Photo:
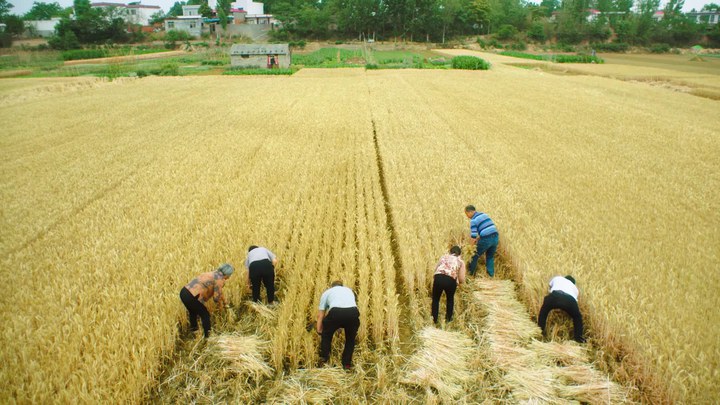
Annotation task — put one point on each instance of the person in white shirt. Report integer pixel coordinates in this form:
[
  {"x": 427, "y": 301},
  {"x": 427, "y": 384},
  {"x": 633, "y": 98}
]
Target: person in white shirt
[
  {"x": 563, "y": 295},
  {"x": 449, "y": 273},
  {"x": 338, "y": 310},
  {"x": 261, "y": 263}
]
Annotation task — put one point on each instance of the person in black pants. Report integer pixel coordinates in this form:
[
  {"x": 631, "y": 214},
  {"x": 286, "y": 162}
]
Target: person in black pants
[
  {"x": 200, "y": 290},
  {"x": 261, "y": 264},
  {"x": 563, "y": 295},
  {"x": 449, "y": 272},
  {"x": 338, "y": 310}
]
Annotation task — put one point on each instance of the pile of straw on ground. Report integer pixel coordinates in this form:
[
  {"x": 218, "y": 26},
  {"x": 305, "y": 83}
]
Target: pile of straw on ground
[
  {"x": 315, "y": 385},
  {"x": 441, "y": 363},
  {"x": 222, "y": 368},
  {"x": 537, "y": 371}
]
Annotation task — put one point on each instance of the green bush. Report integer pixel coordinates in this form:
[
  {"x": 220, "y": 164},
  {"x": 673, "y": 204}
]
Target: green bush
[
  {"x": 506, "y": 32},
  {"x": 659, "y": 48},
  {"x": 610, "y": 47},
  {"x": 298, "y": 44},
  {"x": 167, "y": 69},
  {"x": 525, "y": 55},
  {"x": 174, "y": 36},
  {"x": 469, "y": 63},
  {"x": 537, "y": 32},
  {"x": 212, "y": 62},
  {"x": 518, "y": 46},
  {"x": 371, "y": 66},
  {"x": 63, "y": 42},
  {"x": 76, "y": 54},
  {"x": 482, "y": 43}
]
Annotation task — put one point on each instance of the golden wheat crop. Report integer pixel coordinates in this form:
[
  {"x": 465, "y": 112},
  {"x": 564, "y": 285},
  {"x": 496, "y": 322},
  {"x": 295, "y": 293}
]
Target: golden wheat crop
[
  {"x": 115, "y": 194},
  {"x": 614, "y": 182}
]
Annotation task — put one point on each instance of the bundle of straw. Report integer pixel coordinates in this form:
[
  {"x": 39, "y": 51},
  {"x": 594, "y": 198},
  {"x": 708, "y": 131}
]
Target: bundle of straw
[
  {"x": 440, "y": 363},
  {"x": 317, "y": 385},
  {"x": 244, "y": 354}
]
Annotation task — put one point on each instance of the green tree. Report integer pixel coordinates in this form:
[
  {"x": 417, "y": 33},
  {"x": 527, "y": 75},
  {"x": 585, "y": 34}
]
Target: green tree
[
  {"x": 480, "y": 13},
  {"x": 204, "y": 10},
  {"x": 223, "y": 11},
  {"x": 157, "y": 17},
  {"x": 14, "y": 25},
  {"x": 537, "y": 32},
  {"x": 176, "y": 9},
  {"x": 549, "y": 6},
  {"x": 5, "y": 7},
  {"x": 44, "y": 11}
]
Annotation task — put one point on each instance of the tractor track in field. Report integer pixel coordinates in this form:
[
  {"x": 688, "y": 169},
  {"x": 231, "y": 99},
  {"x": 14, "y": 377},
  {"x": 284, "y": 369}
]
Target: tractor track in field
[{"x": 405, "y": 330}]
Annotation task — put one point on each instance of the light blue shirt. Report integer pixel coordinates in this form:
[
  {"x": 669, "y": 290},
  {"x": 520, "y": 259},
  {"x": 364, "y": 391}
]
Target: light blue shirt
[
  {"x": 337, "y": 297},
  {"x": 259, "y": 253}
]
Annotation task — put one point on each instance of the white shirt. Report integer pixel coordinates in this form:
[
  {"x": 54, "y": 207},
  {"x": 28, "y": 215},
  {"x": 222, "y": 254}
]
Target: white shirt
[
  {"x": 559, "y": 283},
  {"x": 337, "y": 297},
  {"x": 259, "y": 253}
]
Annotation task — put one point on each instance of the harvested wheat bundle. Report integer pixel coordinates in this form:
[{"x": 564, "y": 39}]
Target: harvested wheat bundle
[
  {"x": 316, "y": 385},
  {"x": 244, "y": 355},
  {"x": 600, "y": 392},
  {"x": 565, "y": 353},
  {"x": 441, "y": 363},
  {"x": 262, "y": 310},
  {"x": 530, "y": 383}
]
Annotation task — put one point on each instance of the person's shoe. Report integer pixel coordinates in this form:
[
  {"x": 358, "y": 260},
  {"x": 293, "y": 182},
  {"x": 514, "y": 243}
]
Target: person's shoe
[{"x": 347, "y": 367}]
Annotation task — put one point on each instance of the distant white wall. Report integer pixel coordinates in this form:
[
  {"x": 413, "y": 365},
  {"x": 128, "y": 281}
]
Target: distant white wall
[
  {"x": 44, "y": 28},
  {"x": 250, "y": 6}
]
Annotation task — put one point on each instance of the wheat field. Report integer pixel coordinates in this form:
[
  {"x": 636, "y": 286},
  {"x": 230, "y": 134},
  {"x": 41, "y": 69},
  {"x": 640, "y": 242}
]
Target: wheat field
[{"x": 115, "y": 194}]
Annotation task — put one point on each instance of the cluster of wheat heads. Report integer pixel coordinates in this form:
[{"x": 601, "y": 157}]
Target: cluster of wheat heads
[{"x": 606, "y": 180}]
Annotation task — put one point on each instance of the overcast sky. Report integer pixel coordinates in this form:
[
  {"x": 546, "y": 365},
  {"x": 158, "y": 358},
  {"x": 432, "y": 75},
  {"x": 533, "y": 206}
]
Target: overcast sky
[{"x": 22, "y": 6}]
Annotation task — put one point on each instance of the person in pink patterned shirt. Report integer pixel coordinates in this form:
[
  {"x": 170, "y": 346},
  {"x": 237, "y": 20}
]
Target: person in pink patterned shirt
[{"x": 449, "y": 272}]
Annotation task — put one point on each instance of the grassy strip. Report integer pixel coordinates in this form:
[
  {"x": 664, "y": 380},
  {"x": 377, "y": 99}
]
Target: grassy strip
[
  {"x": 555, "y": 58},
  {"x": 329, "y": 57},
  {"x": 77, "y": 54},
  {"x": 269, "y": 72}
]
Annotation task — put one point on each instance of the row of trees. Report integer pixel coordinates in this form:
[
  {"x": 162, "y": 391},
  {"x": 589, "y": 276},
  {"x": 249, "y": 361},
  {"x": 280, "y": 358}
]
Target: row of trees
[
  {"x": 566, "y": 21},
  {"x": 435, "y": 20}
]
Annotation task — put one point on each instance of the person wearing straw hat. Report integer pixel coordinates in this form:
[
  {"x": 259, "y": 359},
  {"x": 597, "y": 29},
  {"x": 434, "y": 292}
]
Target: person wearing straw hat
[
  {"x": 338, "y": 310},
  {"x": 261, "y": 263},
  {"x": 484, "y": 235},
  {"x": 449, "y": 273},
  {"x": 200, "y": 290},
  {"x": 563, "y": 295}
]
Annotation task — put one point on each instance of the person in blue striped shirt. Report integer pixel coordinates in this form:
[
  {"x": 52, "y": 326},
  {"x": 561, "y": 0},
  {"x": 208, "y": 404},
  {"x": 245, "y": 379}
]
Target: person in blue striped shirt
[{"x": 484, "y": 234}]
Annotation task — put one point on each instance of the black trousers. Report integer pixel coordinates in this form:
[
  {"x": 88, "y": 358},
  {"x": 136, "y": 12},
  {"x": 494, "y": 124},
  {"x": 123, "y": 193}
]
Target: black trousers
[
  {"x": 262, "y": 271},
  {"x": 448, "y": 285},
  {"x": 560, "y": 300},
  {"x": 340, "y": 318},
  {"x": 195, "y": 308}
]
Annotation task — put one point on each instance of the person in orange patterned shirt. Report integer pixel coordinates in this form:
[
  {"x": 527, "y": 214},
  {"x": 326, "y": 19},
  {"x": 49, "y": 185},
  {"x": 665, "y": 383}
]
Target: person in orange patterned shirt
[
  {"x": 449, "y": 272},
  {"x": 200, "y": 290}
]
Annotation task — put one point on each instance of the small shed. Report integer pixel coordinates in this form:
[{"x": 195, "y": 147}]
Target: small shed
[{"x": 264, "y": 56}]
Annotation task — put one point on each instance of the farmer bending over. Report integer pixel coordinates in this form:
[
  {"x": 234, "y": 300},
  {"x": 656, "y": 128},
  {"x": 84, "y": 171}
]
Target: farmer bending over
[
  {"x": 484, "y": 234},
  {"x": 449, "y": 272},
  {"x": 563, "y": 295},
  {"x": 199, "y": 290},
  {"x": 261, "y": 264},
  {"x": 338, "y": 310}
]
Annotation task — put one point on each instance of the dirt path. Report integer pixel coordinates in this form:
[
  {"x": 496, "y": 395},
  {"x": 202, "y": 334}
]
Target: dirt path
[{"x": 128, "y": 58}]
